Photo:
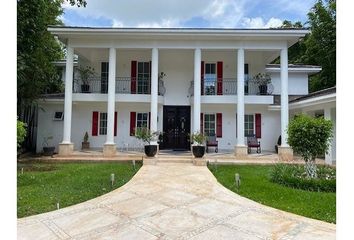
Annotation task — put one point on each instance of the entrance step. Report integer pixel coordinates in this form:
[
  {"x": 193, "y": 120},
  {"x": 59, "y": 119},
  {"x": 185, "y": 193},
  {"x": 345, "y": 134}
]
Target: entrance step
[{"x": 170, "y": 160}]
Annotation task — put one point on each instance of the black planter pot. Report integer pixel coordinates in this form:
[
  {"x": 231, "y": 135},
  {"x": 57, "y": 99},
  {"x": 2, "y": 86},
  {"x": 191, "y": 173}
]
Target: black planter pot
[
  {"x": 85, "y": 88},
  {"x": 48, "y": 151},
  {"x": 198, "y": 151},
  {"x": 150, "y": 150},
  {"x": 263, "y": 89}
]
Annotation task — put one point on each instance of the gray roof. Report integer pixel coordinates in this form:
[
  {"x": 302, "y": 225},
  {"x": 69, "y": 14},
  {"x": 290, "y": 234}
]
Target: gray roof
[{"x": 323, "y": 92}]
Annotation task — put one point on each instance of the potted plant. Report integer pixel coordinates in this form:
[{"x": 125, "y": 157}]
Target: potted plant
[
  {"x": 198, "y": 146},
  {"x": 85, "y": 73},
  {"x": 85, "y": 144},
  {"x": 144, "y": 134},
  {"x": 262, "y": 80},
  {"x": 48, "y": 150}
]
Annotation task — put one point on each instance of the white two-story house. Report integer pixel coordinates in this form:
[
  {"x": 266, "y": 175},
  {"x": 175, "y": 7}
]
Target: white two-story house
[{"x": 176, "y": 81}]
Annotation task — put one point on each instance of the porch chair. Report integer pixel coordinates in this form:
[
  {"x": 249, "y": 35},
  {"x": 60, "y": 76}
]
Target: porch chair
[
  {"x": 252, "y": 142},
  {"x": 211, "y": 142}
]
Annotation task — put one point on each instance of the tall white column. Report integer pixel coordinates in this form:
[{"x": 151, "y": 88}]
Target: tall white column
[
  {"x": 284, "y": 96},
  {"x": 111, "y": 96},
  {"x": 328, "y": 156},
  {"x": 69, "y": 69},
  {"x": 154, "y": 89},
  {"x": 197, "y": 89},
  {"x": 240, "y": 97}
]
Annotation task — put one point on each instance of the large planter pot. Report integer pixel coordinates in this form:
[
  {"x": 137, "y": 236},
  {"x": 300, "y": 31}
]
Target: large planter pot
[
  {"x": 85, "y": 88},
  {"x": 48, "y": 151},
  {"x": 263, "y": 89},
  {"x": 198, "y": 151},
  {"x": 85, "y": 145},
  {"x": 150, "y": 150}
]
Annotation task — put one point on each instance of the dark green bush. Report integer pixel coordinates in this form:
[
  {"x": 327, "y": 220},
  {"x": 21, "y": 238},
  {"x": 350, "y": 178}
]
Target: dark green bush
[{"x": 295, "y": 176}]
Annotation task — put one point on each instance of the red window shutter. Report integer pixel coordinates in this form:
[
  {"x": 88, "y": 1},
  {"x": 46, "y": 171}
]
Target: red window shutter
[
  {"x": 115, "y": 123},
  {"x": 219, "y": 125},
  {"x": 219, "y": 77},
  {"x": 94, "y": 123},
  {"x": 133, "y": 77},
  {"x": 201, "y": 123},
  {"x": 149, "y": 120},
  {"x": 258, "y": 125},
  {"x": 202, "y": 78},
  {"x": 132, "y": 123}
]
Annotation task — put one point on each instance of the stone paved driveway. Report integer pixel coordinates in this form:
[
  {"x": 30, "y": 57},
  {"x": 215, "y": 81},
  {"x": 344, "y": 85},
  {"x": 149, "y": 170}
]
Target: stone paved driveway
[{"x": 172, "y": 202}]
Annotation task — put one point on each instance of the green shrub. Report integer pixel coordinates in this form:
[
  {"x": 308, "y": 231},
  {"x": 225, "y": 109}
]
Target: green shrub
[
  {"x": 21, "y": 133},
  {"x": 295, "y": 176},
  {"x": 310, "y": 137}
]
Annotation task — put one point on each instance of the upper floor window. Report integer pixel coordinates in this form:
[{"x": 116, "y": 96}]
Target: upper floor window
[
  {"x": 143, "y": 77},
  {"x": 210, "y": 79},
  {"x": 104, "y": 76}
]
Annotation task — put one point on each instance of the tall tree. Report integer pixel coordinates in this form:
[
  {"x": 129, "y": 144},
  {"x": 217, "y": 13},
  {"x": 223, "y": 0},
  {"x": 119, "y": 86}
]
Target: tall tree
[
  {"x": 321, "y": 43},
  {"x": 37, "y": 48}
]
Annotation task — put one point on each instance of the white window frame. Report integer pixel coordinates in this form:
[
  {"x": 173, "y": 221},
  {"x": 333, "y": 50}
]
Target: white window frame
[
  {"x": 204, "y": 128},
  {"x": 103, "y": 128},
  {"x": 214, "y": 80},
  {"x": 58, "y": 118},
  {"x": 254, "y": 127},
  {"x": 136, "y": 119}
]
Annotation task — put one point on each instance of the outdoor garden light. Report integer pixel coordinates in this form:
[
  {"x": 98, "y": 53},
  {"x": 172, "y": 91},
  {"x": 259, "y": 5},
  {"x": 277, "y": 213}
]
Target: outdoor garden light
[
  {"x": 237, "y": 180},
  {"x": 57, "y": 205},
  {"x": 21, "y": 170},
  {"x": 133, "y": 164},
  {"x": 112, "y": 179}
]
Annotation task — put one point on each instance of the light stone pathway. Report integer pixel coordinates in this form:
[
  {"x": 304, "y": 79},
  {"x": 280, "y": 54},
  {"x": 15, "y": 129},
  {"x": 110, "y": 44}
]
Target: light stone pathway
[{"x": 172, "y": 202}]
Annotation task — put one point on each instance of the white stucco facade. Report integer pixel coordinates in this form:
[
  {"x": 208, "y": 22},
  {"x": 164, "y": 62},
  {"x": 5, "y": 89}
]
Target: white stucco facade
[{"x": 218, "y": 60}]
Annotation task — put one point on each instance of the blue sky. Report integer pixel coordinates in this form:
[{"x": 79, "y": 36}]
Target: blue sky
[{"x": 192, "y": 13}]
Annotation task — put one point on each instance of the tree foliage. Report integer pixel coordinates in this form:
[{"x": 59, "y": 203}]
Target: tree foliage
[
  {"x": 37, "y": 48},
  {"x": 21, "y": 133},
  {"x": 310, "y": 137},
  {"x": 319, "y": 46}
]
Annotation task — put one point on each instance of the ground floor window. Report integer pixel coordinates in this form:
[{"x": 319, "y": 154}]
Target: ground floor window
[
  {"x": 142, "y": 120},
  {"x": 209, "y": 124},
  {"x": 249, "y": 125},
  {"x": 103, "y": 123}
]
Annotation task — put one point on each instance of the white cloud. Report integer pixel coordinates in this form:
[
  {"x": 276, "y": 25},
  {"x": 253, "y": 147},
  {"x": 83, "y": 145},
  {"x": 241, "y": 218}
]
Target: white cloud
[
  {"x": 175, "y": 13},
  {"x": 258, "y": 22}
]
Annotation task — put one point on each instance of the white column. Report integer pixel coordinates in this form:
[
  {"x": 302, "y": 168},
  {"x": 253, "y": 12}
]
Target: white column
[
  {"x": 69, "y": 69},
  {"x": 328, "y": 156},
  {"x": 240, "y": 97},
  {"x": 154, "y": 88},
  {"x": 197, "y": 89},
  {"x": 284, "y": 96},
  {"x": 111, "y": 96}
]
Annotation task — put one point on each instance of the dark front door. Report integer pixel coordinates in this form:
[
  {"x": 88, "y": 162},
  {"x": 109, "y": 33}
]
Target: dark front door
[{"x": 176, "y": 127}]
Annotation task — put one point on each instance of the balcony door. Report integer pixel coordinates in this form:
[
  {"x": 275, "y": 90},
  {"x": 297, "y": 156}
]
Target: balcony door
[
  {"x": 210, "y": 79},
  {"x": 144, "y": 77},
  {"x": 104, "y": 77}
]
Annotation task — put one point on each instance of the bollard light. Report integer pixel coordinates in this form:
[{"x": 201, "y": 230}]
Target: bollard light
[
  {"x": 58, "y": 206},
  {"x": 237, "y": 180},
  {"x": 22, "y": 171},
  {"x": 134, "y": 164},
  {"x": 112, "y": 179}
]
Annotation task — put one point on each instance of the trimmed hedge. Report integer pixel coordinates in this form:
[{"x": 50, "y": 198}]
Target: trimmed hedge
[{"x": 295, "y": 176}]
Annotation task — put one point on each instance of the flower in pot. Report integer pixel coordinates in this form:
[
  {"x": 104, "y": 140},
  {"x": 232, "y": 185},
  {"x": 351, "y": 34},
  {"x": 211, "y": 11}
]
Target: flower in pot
[
  {"x": 198, "y": 146},
  {"x": 85, "y": 143},
  {"x": 144, "y": 134},
  {"x": 48, "y": 150},
  {"x": 262, "y": 80},
  {"x": 85, "y": 73}
]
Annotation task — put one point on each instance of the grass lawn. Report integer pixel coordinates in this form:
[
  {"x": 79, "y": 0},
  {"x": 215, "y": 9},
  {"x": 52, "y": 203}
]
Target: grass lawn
[
  {"x": 255, "y": 185},
  {"x": 42, "y": 185}
]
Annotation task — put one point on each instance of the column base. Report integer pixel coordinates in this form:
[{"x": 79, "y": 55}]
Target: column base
[
  {"x": 285, "y": 154},
  {"x": 109, "y": 150},
  {"x": 65, "y": 149},
  {"x": 241, "y": 152}
]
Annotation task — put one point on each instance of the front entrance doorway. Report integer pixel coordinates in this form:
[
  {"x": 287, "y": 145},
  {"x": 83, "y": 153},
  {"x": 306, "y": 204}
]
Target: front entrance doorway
[{"x": 176, "y": 127}]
